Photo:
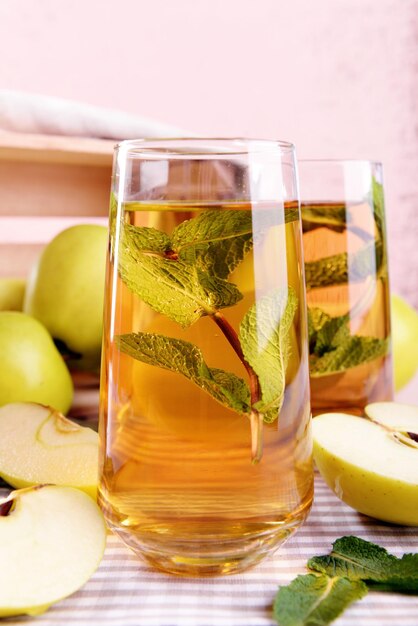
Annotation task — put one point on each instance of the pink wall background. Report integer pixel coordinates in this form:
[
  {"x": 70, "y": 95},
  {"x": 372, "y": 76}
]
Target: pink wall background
[{"x": 336, "y": 77}]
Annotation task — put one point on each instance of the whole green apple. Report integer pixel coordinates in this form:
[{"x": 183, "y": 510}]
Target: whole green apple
[
  {"x": 404, "y": 341},
  {"x": 12, "y": 292},
  {"x": 65, "y": 292},
  {"x": 31, "y": 368}
]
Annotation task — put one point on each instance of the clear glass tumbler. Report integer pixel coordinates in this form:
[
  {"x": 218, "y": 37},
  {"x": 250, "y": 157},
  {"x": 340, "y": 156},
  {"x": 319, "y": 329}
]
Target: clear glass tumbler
[
  {"x": 346, "y": 271},
  {"x": 204, "y": 416}
]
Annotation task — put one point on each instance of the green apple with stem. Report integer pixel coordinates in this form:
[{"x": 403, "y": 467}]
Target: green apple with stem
[
  {"x": 12, "y": 293},
  {"x": 371, "y": 463},
  {"x": 65, "y": 292},
  {"x": 39, "y": 445},
  {"x": 31, "y": 367},
  {"x": 52, "y": 539},
  {"x": 404, "y": 341}
]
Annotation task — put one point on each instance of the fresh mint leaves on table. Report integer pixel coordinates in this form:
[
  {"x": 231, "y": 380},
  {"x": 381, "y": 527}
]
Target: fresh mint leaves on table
[
  {"x": 353, "y": 567},
  {"x": 185, "y": 277},
  {"x": 358, "y": 559},
  {"x": 313, "y": 600}
]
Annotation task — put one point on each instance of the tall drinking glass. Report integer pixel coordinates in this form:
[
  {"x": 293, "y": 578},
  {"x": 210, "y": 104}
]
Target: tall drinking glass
[
  {"x": 346, "y": 273},
  {"x": 204, "y": 416}
]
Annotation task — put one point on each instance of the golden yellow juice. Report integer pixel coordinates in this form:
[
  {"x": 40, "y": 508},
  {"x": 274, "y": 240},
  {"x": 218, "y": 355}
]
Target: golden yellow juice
[
  {"x": 348, "y": 305},
  {"x": 194, "y": 483}
]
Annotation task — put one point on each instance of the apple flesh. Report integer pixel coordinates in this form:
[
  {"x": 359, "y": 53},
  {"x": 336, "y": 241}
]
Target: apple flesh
[
  {"x": 372, "y": 467},
  {"x": 31, "y": 368},
  {"x": 52, "y": 539},
  {"x": 12, "y": 293},
  {"x": 39, "y": 445},
  {"x": 65, "y": 292},
  {"x": 394, "y": 415}
]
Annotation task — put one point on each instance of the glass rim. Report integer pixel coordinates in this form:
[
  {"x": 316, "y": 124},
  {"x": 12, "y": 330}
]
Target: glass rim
[
  {"x": 233, "y": 146},
  {"x": 343, "y": 161}
]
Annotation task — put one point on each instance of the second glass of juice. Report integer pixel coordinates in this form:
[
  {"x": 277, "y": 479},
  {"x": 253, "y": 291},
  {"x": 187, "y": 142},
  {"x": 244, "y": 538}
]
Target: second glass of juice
[{"x": 347, "y": 283}]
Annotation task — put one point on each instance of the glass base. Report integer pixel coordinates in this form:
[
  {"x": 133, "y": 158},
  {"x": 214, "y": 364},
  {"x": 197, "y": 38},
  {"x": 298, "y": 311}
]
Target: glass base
[{"x": 214, "y": 556}]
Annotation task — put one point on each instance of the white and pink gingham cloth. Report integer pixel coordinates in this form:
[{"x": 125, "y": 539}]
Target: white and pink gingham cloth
[{"x": 125, "y": 591}]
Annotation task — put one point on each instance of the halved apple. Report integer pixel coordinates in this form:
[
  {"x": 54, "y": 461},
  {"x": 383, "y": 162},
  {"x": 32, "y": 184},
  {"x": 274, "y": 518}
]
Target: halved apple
[
  {"x": 371, "y": 466},
  {"x": 39, "y": 445},
  {"x": 52, "y": 540},
  {"x": 401, "y": 417}
]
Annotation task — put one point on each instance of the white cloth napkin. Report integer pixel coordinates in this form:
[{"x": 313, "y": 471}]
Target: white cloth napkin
[{"x": 32, "y": 113}]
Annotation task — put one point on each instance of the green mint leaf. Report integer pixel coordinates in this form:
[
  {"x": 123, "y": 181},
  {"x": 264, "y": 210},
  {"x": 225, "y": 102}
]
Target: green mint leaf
[
  {"x": 326, "y": 332},
  {"x": 217, "y": 241},
  {"x": 233, "y": 388},
  {"x": 315, "y": 600},
  {"x": 335, "y": 217},
  {"x": 187, "y": 359},
  {"x": 378, "y": 203},
  {"x": 353, "y": 351},
  {"x": 331, "y": 347},
  {"x": 343, "y": 268},
  {"x": 265, "y": 342},
  {"x": 145, "y": 240},
  {"x": 403, "y": 575},
  {"x": 316, "y": 320},
  {"x": 358, "y": 559},
  {"x": 354, "y": 558},
  {"x": 174, "y": 288}
]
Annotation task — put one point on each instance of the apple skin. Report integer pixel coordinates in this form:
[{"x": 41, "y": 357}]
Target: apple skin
[
  {"x": 404, "y": 321},
  {"x": 12, "y": 293},
  {"x": 31, "y": 368},
  {"x": 65, "y": 292},
  {"x": 379, "y": 494},
  {"x": 52, "y": 540}
]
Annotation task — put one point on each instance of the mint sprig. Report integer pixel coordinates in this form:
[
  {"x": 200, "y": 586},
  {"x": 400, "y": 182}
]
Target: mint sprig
[
  {"x": 333, "y": 349},
  {"x": 312, "y": 600},
  {"x": 358, "y": 559},
  {"x": 353, "y": 568},
  {"x": 184, "y": 276},
  {"x": 339, "y": 269}
]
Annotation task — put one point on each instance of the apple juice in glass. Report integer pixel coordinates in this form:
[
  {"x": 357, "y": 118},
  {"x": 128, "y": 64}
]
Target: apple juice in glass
[
  {"x": 346, "y": 273},
  {"x": 205, "y": 418}
]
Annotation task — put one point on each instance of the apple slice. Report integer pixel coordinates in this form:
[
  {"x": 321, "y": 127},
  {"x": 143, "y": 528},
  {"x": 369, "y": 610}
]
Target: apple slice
[
  {"x": 372, "y": 467},
  {"x": 400, "y": 417},
  {"x": 39, "y": 445},
  {"x": 52, "y": 539}
]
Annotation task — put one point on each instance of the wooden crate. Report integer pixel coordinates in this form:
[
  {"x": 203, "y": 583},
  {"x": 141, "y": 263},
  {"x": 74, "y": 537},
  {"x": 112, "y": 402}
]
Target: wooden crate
[{"x": 48, "y": 183}]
